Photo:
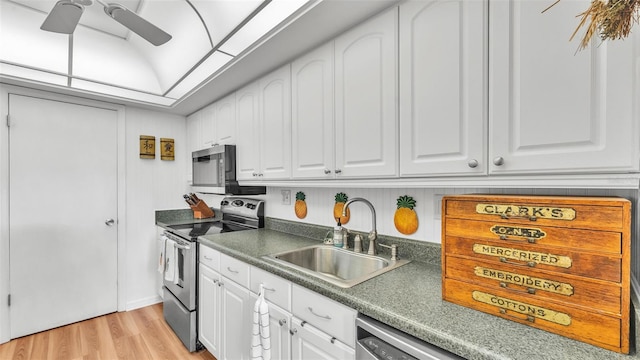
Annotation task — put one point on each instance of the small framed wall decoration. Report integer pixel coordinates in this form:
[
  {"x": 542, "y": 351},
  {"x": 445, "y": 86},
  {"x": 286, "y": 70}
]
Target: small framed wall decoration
[
  {"x": 167, "y": 149},
  {"x": 147, "y": 147}
]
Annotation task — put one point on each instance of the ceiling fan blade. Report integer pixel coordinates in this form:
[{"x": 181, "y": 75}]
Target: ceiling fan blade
[
  {"x": 138, "y": 25},
  {"x": 63, "y": 18}
]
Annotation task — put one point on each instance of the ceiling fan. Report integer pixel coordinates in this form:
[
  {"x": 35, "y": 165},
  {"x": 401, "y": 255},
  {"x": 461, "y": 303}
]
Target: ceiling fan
[{"x": 66, "y": 14}]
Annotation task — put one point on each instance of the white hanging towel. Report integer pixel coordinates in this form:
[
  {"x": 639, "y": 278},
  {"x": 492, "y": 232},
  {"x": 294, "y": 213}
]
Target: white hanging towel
[
  {"x": 163, "y": 245},
  {"x": 260, "y": 337},
  {"x": 170, "y": 260}
]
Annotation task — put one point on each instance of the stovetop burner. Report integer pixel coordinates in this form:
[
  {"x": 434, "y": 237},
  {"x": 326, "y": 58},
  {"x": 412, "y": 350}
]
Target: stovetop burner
[{"x": 237, "y": 214}]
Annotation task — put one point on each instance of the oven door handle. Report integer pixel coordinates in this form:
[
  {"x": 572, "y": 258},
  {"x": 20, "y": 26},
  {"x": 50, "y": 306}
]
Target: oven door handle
[{"x": 182, "y": 247}]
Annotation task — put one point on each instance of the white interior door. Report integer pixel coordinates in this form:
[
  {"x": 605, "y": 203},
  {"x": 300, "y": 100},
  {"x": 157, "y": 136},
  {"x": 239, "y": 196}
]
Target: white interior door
[{"x": 63, "y": 190}]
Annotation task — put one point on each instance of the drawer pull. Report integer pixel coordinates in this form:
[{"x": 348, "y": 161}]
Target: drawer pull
[
  {"x": 320, "y": 316},
  {"x": 529, "y": 264},
  {"x": 207, "y": 258},
  {"x": 333, "y": 339},
  {"x": 529, "y": 318},
  {"x": 531, "y": 291},
  {"x": 269, "y": 289},
  {"x": 232, "y": 271},
  {"x": 529, "y": 240}
]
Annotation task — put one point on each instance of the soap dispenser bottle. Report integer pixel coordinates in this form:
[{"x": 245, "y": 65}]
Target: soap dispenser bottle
[{"x": 338, "y": 235}]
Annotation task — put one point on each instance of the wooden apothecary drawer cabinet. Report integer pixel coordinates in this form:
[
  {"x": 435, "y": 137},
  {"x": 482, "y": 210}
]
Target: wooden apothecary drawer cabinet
[{"x": 556, "y": 263}]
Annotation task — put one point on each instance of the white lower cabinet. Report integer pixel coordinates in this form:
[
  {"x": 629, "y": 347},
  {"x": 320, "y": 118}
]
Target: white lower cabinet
[
  {"x": 209, "y": 309},
  {"x": 237, "y": 319},
  {"x": 311, "y": 343},
  {"x": 302, "y": 324},
  {"x": 224, "y": 311},
  {"x": 279, "y": 326}
]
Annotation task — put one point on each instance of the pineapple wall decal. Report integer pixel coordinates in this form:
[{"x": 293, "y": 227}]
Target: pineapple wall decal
[
  {"x": 300, "y": 206},
  {"x": 341, "y": 198},
  {"x": 405, "y": 219}
]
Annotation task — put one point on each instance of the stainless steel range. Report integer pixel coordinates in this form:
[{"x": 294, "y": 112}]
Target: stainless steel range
[{"x": 181, "y": 266}]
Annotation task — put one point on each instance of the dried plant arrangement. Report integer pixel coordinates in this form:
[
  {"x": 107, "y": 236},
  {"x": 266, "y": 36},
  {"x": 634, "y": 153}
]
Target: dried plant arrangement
[{"x": 611, "y": 19}]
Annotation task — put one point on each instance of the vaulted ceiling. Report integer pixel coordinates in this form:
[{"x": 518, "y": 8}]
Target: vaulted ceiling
[{"x": 216, "y": 46}]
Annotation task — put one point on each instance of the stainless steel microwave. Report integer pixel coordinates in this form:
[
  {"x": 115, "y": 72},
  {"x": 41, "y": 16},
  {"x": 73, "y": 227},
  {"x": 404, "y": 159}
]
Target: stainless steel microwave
[{"x": 214, "y": 169}]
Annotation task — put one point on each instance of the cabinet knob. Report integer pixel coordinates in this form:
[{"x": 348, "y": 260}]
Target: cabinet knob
[
  {"x": 260, "y": 174},
  {"x": 337, "y": 171},
  {"x": 473, "y": 163},
  {"x": 327, "y": 171},
  {"x": 109, "y": 222},
  {"x": 254, "y": 174},
  {"x": 282, "y": 322},
  {"x": 293, "y": 331},
  {"x": 498, "y": 161}
]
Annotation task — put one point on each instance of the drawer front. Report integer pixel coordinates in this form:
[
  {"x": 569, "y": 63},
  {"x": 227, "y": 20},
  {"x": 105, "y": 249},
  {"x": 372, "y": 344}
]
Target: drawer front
[
  {"x": 512, "y": 233},
  {"x": 277, "y": 289},
  {"x": 553, "y": 212},
  {"x": 589, "y": 265},
  {"x": 327, "y": 315},
  {"x": 596, "y": 329},
  {"x": 209, "y": 257},
  {"x": 234, "y": 269},
  {"x": 571, "y": 291}
]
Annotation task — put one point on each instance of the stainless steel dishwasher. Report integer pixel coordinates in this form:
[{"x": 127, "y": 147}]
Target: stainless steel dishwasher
[{"x": 378, "y": 341}]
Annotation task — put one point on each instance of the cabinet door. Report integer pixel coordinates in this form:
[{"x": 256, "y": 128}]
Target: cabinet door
[
  {"x": 247, "y": 124},
  {"x": 275, "y": 130},
  {"x": 552, "y": 108},
  {"x": 209, "y": 310},
  {"x": 279, "y": 325},
  {"x": 237, "y": 318},
  {"x": 311, "y": 343},
  {"x": 225, "y": 120},
  {"x": 208, "y": 126},
  {"x": 365, "y": 100},
  {"x": 442, "y": 87},
  {"x": 312, "y": 140},
  {"x": 193, "y": 141}
]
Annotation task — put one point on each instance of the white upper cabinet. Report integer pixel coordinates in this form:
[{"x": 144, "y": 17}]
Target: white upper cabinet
[
  {"x": 247, "y": 141},
  {"x": 275, "y": 120},
  {"x": 263, "y": 116},
  {"x": 312, "y": 140},
  {"x": 552, "y": 108},
  {"x": 442, "y": 86},
  {"x": 366, "y": 98},
  {"x": 225, "y": 120}
]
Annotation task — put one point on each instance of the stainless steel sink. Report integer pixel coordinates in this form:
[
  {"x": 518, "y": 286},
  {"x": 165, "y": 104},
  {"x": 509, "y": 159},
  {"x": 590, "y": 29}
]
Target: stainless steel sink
[{"x": 338, "y": 266}]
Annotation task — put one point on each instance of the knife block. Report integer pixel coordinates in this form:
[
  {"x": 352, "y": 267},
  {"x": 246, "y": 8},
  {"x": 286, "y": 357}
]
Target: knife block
[{"x": 201, "y": 210}]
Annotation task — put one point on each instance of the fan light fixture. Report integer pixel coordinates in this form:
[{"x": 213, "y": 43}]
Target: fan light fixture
[{"x": 65, "y": 15}]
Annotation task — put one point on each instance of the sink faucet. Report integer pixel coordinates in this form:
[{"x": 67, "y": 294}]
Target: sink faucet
[{"x": 373, "y": 235}]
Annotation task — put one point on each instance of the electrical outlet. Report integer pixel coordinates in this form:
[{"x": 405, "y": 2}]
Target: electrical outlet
[{"x": 286, "y": 197}]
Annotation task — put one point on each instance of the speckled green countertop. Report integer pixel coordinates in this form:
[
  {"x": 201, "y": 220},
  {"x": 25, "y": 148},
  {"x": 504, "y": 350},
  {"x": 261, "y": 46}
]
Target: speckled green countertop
[{"x": 409, "y": 299}]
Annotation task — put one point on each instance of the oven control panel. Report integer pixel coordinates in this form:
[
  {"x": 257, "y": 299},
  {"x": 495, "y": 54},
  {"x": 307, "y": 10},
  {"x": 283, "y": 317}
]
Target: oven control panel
[{"x": 240, "y": 206}]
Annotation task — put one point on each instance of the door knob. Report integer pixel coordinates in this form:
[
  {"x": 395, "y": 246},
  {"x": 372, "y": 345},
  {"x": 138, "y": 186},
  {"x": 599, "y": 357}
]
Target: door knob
[
  {"x": 109, "y": 222},
  {"x": 498, "y": 161}
]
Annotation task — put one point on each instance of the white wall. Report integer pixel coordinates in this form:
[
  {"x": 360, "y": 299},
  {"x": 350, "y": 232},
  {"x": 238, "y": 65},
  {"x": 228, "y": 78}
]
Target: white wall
[
  {"x": 320, "y": 203},
  {"x": 150, "y": 185}
]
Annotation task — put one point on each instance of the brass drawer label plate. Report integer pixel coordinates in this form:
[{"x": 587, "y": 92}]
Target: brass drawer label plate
[
  {"x": 531, "y": 257},
  {"x": 528, "y": 233},
  {"x": 522, "y": 308},
  {"x": 531, "y": 212},
  {"x": 525, "y": 280}
]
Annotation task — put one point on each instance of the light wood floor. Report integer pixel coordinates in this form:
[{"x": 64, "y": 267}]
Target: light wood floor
[{"x": 139, "y": 334}]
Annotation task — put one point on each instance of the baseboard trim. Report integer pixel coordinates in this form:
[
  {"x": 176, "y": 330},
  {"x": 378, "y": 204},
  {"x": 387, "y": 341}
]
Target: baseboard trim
[{"x": 140, "y": 303}]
